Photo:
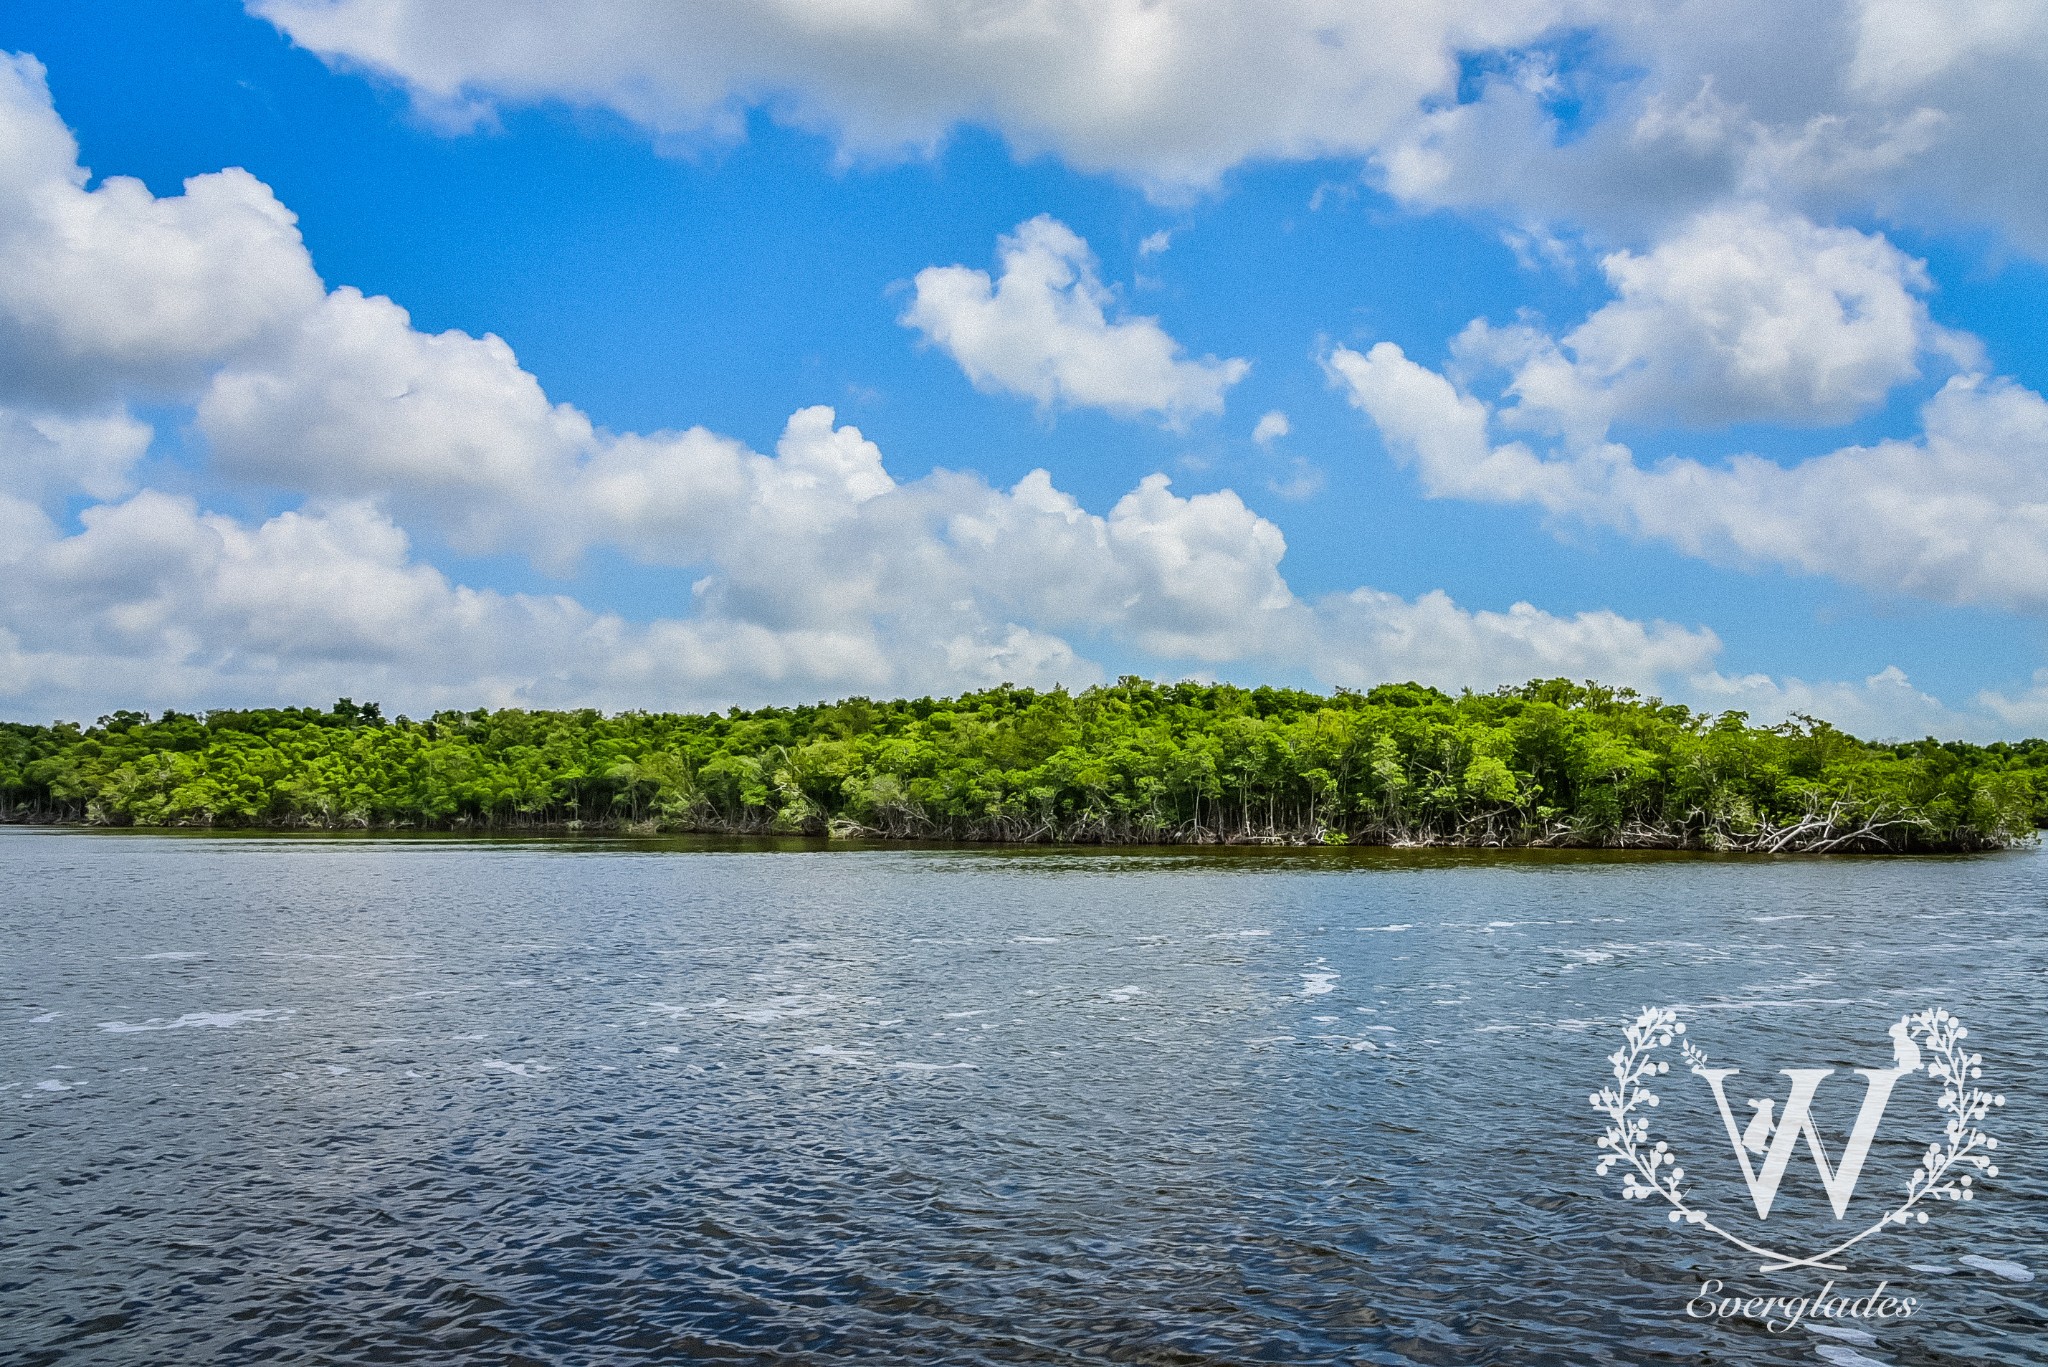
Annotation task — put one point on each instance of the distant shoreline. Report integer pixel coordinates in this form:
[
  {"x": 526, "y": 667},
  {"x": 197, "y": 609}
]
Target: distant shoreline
[
  {"x": 643, "y": 835},
  {"x": 1550, "y": 764},
  {"x": 717, "y": 843}
]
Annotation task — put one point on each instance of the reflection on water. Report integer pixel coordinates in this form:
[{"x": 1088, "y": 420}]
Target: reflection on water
[{"x": 365, "y": 1100}]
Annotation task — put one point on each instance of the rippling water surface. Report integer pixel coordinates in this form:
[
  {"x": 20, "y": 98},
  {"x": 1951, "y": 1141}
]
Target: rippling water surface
[{"x": 378, "y": 1101}]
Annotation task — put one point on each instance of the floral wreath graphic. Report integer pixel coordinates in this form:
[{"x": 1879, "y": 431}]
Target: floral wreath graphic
[{"x": 1947, "y": 1170}]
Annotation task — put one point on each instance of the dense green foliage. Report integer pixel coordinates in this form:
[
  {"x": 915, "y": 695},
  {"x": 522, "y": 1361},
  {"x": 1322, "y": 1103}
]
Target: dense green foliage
[{"x": 1551, "y": 762}]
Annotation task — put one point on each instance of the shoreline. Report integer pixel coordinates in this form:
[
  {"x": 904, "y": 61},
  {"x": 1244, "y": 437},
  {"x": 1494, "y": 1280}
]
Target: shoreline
[
  {"x": 1544, "y": 765},
  {"x": 852, "y": 837}
]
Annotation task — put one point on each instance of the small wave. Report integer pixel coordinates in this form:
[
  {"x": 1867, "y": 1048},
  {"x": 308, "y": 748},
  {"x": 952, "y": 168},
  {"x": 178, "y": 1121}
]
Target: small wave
[
  {"x": 790, "y": 1007},
  {"x": 218, "y": 1020},
  {"x": 685, "y": 1010},
  {"x": 1405, "y": 925},
  {"x": 526, "y": 1069},
  {"x": 1319, "y": 979},
  {"x": 1998, "y": 1267},
  {"x": 421, "y": 995},
  {"x": 1762, "y": 1004},
  {"x": 1846, "y": 1357}
]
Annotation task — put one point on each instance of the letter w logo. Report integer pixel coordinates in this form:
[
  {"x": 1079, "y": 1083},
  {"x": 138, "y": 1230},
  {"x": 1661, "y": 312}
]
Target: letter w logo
[{"x": 1797, "y": 1119}]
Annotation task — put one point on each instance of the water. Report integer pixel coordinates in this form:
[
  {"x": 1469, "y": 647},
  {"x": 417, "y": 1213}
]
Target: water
[{"x": 378, "y": 1101}]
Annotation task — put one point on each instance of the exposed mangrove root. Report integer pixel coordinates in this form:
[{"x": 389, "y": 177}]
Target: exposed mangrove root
[{"x": 1832, "y": 830}]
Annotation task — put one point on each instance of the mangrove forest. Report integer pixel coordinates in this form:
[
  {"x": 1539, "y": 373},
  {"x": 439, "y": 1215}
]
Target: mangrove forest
[{"x": 1549, "y": 763}]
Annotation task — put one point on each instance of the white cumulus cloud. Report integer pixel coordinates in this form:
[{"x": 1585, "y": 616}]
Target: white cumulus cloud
[
  {"x": 159, "y": 603},
  {"x": 357, "y": 399},
  {"x": 1619, "y": 116},
  {"x": 1958, "y": 513},
  {"x": 1928, "y": 111},
  {"x": 1369, "y": 636},
  {"x": 1170, "y": 93},
  {"x": 113, "y": 290},
  {"x": 155, "y": 601},
  {"x": 1271, "y": 428},
  {"x": 1741, "y": 315},
  {"x": 1884, "y": 706},
  {"x": 2026, "y": 714},
  {"x": 1042, "y": 330}
]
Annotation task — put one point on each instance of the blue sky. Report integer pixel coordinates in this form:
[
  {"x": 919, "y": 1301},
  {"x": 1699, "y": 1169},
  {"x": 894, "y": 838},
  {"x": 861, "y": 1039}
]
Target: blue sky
[{"x": 1753, "y": 421}]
